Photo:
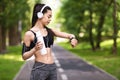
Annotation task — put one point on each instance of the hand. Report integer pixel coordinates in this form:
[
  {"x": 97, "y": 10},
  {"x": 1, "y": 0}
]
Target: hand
[
  {"x": 74, "y": 42},
  {"x": 38, "y": 46}
]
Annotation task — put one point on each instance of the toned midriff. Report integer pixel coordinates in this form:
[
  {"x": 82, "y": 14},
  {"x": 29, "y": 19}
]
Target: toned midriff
[{"x": 47, "y": 58}]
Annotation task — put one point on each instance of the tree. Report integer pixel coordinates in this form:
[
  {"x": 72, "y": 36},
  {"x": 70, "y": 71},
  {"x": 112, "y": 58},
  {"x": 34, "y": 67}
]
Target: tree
[
  {"x": 18, "y": 15},
  {"x": 103, "y": 8},
  {"x": 91, "y": 25},
  {"x": 91, "y": 17},
  {"x": 114, "y": 48},
  {"x": 11, "y": 13},
  {"x": 2, "y": 26},
  {"x": 72, "y": 16},
  {"x": 0, "y": 39}
]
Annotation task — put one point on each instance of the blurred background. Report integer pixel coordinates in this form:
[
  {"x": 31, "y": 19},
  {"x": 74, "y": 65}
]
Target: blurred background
[{"x": 96, "y": 24}]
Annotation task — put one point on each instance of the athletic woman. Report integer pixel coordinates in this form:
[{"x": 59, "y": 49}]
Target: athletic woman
[{"x": 44, "y": 67}]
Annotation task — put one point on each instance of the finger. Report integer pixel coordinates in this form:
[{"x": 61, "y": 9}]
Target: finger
[
  {"x": 74, "y": 44},
  {"x": 37, "y": 43},
  {"x": 40, "y": 43}
]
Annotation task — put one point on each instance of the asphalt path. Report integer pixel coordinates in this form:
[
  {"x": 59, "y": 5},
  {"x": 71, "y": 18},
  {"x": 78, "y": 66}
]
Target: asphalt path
[
  {"x": 69, "y": 67},
  {"x": 76, "y": 68}
]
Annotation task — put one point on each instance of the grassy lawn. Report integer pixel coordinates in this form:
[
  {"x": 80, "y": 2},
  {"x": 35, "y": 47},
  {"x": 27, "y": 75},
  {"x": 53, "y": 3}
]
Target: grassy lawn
[
  {"x": 10, "y": 63},
  {"x": 100, "y": 58}
]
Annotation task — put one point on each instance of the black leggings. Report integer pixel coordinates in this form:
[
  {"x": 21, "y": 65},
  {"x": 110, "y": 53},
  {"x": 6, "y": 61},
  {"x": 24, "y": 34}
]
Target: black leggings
[{"x": 41, "y": 71}]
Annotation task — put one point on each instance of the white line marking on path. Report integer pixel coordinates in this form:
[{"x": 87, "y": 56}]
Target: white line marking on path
[
  {"x": 64, "y": 77},
  {"x": 61, "y": 70},
  {"x": 57, "y": 63}
]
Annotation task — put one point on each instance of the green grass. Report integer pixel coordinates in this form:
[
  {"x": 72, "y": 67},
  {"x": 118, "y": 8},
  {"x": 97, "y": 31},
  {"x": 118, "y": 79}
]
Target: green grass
[
  {"x": 10, "y": 63},
  {"x": 103, "y": 58}
]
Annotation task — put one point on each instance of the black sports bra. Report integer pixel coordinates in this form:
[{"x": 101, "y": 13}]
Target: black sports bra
[{"x": 48, "y": 40}]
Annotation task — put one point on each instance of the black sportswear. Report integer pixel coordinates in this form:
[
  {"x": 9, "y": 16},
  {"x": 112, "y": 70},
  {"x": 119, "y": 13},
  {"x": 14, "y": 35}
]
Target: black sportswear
[{"x": 48, "y": 40}]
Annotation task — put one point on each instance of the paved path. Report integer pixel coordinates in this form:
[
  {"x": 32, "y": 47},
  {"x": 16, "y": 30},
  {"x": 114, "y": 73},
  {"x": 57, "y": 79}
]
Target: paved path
[{"x": 69, "y": 67}]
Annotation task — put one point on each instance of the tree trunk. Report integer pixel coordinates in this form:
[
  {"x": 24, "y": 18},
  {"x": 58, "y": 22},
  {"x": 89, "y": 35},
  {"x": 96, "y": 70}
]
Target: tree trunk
[
  {"x": 3, "y": 39},
  {"x": 0, "y": 40},
  {"x": 2, "y": 31},
  {"x": 19, "y": 31},
  {"x": 13, "y": 36},
  {"x": 114, "y": 48},
  {"x": 100, "y": 24},
  {"x": 90, "y": 29},
  {"x": 99, "y": 30}
]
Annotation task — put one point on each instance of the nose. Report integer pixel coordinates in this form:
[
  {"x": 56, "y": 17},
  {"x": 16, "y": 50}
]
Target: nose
[{"x": 50, "y": 19}]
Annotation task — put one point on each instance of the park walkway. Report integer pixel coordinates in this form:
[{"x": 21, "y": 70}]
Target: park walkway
[{"x": 69, "y": 67}]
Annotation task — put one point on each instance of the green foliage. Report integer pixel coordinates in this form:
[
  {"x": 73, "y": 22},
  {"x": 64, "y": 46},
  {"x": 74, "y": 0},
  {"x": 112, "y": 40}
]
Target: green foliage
[
  {"x": 14, "y": 10},
  {"x": 74, "y": 16}
]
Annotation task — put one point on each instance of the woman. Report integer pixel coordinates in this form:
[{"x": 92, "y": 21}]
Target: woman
[{"x": 44, "y": 67}]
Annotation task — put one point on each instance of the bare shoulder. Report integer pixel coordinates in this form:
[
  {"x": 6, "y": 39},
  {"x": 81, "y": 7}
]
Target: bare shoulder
[{"x": 28, "y": 36}]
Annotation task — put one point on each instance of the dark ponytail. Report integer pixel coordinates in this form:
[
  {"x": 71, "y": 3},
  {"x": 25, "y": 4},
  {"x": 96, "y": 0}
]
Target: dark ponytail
[{"x": 37, "y": 9}]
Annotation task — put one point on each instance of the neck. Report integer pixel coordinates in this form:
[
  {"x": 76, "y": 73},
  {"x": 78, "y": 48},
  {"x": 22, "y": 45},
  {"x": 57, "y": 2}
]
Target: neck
[{"x": 39, "y": 25}]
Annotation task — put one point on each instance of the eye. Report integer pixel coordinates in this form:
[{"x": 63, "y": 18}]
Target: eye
[{"x": 49, "y": 16}]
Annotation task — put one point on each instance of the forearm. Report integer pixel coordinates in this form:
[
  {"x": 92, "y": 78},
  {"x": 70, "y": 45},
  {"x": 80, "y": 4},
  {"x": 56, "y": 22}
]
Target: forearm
[
  {"x": 69, "y": 36},
  {"x": 65, "y": 35},
  {"x": 28, "y": 54}
]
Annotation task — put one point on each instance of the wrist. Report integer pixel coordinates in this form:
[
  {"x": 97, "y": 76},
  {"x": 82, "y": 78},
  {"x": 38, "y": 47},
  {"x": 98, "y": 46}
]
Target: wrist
[
  {"x": 72, "y": 37},
  {"x": 33, "y": 50}
]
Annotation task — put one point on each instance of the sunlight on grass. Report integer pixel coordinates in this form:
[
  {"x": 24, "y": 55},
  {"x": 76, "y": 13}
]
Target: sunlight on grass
[
  {"x": 108, "y": 42},
  {"x": 12, "y": 57}
]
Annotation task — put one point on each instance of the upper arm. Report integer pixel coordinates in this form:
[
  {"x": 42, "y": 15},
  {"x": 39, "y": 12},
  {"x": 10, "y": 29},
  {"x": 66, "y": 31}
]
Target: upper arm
[{"x": 27, "y": 38}]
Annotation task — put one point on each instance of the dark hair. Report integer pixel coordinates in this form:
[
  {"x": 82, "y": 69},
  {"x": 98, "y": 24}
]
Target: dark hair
[{"x": 37, "y": 9}]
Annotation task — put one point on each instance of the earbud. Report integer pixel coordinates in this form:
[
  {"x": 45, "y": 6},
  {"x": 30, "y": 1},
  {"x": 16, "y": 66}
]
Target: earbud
[{"x": 40, "y": 14}]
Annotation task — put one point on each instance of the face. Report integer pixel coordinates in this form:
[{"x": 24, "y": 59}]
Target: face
[{"x": 47, "y": 17}]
